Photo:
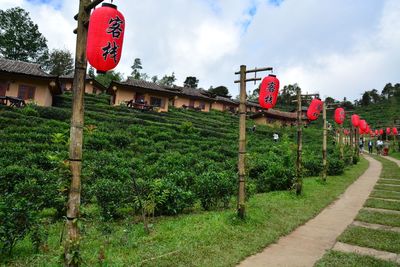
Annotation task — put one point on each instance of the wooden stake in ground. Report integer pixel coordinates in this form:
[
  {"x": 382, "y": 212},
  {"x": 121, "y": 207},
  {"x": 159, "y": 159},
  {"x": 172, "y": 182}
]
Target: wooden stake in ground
[
  {"x": 341, "y": 141},
  {"x": 325, "y": 130},
  {"x": 299, "y": 180},
  {"x": 242, "y": 143},
  {"x": 352, "y": 143},
  {"x": 71, "y": 250},
  {"x": 241, "y": 208}
]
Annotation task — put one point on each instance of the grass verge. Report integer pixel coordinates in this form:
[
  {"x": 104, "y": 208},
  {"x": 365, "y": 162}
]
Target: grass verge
[
  {"x": 395, "y": 155},
  {"x": 387, "y": 187},
  {"x": 341, "y": 259},
  {"x": 214, "y": 238},
  {"x": 390, "y": 169},
  {"x": 385, "y": 194},
  {"x": 388, "y": 182},
  {"x": 371, "y": 238},
  {"x": 382, "y": 204}
]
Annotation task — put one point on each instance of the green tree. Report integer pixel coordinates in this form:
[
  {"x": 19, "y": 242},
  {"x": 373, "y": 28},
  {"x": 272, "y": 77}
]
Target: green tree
[
  {"x": 167, "y": 80},
  {"x": 220, "y": 90},
  {"x": 20, "y": 38},
  {"x": 366, "y": 99},
  {"x": 387, "y": 91},
  {"x": 60, "y": 62},
  {"x": 191, "y": 82},
  {"x": 91, "y": 72},
  {"x": 136, "y": 69},
  {"x": 106, "y": 78},
  {"x": 375, "y": 96},
  {"x": 329, "y": 100}
]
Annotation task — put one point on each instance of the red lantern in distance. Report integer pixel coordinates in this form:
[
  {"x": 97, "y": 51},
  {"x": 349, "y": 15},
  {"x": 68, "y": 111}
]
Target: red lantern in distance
[
  {"x": 355, "y": 120},
  {"x": 394, "y": 131},
  {"x": 388, "y": 130},
  {"x": 314, "y": 109},
  {"x": 381, "y": 132},
  {"x": 269, "y": 90},
  {"x": 376, "y": 132},
  {"x": 360, "y": 131},
  {"x": 340, "y": 115},
  {"x": 105, "y": 37},
  {"x": 363, "y": 125}
]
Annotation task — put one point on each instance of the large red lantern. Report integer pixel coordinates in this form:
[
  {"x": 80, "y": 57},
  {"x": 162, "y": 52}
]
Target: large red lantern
[
  {"x": 314, "y": 109},
  {"x": 376, "y": 132},
  {"x": 105, "y": 37},
  {"x": 340, "y": 115},
  {"x": 380, "y": 131},
  {"x": 363, "y": 125},
  {"x": 355, "y": 120},
  {"x": 388, "y": 130},
  {"x": 360, "y": 131},
  {"x": 269, "y": 90},
  {"x": 394, "y": 131}
]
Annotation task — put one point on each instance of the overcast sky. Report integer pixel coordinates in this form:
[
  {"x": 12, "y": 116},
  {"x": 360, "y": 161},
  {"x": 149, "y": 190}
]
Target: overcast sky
[{"x": 339, "y": 48}]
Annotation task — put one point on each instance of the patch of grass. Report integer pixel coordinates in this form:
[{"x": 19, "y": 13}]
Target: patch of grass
[
  {"x": 385, "y": 194},
  {"x": 371, "y": 238},
  {"x": 341, "y": 259},
  {"x": 395, "y": 155},
  {"x": 389, "y": 169},
  {"x": 387, "y": 187},
  {"x": 215, "y": 238},
  {"x": 379, "y": 218},
  {"x": 396, "y": 182},
  {"x": 382, "y": 204}
]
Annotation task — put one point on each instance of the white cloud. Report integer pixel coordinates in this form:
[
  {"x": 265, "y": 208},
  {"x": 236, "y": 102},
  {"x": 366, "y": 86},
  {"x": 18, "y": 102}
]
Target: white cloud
[{"x": 338, "y": 48}]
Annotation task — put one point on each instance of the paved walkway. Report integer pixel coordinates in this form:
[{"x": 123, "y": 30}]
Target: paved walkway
[{"x": 308, "y": 243}]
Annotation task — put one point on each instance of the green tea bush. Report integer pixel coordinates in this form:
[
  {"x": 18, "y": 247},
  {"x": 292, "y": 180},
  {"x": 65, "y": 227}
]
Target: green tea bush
[{"x": 110, "y": 195}]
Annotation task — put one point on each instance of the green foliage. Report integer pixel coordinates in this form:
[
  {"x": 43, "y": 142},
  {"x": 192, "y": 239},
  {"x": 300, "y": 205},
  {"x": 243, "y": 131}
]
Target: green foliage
[
  {"x": 335, "y": 164},
  {"x": 60, "y": 62},
  {"x": 191, "y": 82},
  {"x": 109, "y": 194},
  {"x": 20, "y": 38},
  {"x": 219, "y": 90}
]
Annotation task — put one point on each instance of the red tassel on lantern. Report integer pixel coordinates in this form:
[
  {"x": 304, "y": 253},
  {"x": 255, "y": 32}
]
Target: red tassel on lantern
[
  {"x": 269, "y": 90},
  {"x": 340, "y": 115},
  {"x": 355, "y": 120},
  {"x": 314, "y": 109},
  {"x": 105, "y": 37}
]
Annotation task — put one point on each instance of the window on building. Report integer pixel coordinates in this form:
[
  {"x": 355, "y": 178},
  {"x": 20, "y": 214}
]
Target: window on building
[
  {"x": 156, "y": 101},
  {"x": 202, "y": 105},
  {"x": 26, "y": 92},
  {"x": 139, "y": 98},
  {"x": 191, "y": 103}
]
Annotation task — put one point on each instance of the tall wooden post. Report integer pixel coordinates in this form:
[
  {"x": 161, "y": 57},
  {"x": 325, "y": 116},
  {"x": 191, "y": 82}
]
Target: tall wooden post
[
  {"x": 242, "y": 143},
  {"x": 352, "y": 143},
  {"x": 325, "y": 130},
  {"x": 356, "y": 142},
  {"x": 341, "y": 141},
  {"x": 299, "y": 181},
  {"x": 76, "y": 137}
]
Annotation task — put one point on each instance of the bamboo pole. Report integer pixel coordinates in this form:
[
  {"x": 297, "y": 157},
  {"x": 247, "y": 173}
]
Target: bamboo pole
[
  {"x": 325, "y": 130},
  {"x": 352, "y": 143},
  {"x": 241, "y": 209},
  {"x": 299, "y": 182},
  {"x": 76, "y": 139},
  {"x": 341, "y": 141}
]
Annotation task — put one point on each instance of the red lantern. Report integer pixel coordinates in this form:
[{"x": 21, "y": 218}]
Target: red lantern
[
  {"x": 381, "y": 132},
  {"x": 105, "y": 37},
  {"x": 355, "y": 120},
  {"x": 269, "y": 90},
  {"x": 363, "y": 125},
  {"x": 360, "y": 131},
  {"x": 340, "y": 115},
  {"x": 376, "y": 132},
  {"x": 388, "y": 130},
  {"x": 394, "y": 131},
  {"x": 314, "y": 109}
]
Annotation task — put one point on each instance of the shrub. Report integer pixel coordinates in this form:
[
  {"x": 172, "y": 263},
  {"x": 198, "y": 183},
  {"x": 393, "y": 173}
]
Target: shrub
[
  {"x": 110, "y": 194},
  {"x": 213, "y": 187},
  {"x": 335, "y": 165}
]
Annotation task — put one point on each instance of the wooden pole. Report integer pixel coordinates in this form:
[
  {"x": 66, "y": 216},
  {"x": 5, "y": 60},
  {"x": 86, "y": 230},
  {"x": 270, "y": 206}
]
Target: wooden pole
[
  {"x": 352, "y": 143},
  {"x": 71, "y": 253},
  {"x": 341, "y": 141},
  {"x": 242, "y": 144},
  {"x": 325, "y": 130},
  {"x": 299, "y": 182}
]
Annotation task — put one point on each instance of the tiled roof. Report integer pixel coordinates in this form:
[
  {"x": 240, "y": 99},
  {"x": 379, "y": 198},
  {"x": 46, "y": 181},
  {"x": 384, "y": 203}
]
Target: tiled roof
[
  {"x": 19, "y": 67},
  {"x": 277, "y": 113},
  {"x": 253, "y": 104},
  {"x": 192, "y": 92},
  {"x": 226, "y": 100},
  {"x": 144, "y": 84},
  {"x": 71, "y": 76}
]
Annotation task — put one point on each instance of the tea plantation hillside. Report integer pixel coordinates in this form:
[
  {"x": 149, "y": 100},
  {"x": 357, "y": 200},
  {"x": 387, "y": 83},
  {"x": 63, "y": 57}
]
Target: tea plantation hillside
[{"x": 157, "y": 163}]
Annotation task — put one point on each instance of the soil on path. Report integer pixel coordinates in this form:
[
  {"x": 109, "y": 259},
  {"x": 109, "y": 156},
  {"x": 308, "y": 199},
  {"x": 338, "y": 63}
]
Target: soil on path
[{"x": 309, "y": 242}]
